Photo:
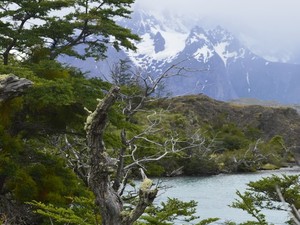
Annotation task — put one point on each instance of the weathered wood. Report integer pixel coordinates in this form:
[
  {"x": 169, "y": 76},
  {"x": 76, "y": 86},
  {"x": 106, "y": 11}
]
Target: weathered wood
[
  {"x": 99, "y": 181},
  {"x": 102, "y": 166},
  {"x": 12, "y": 86}
]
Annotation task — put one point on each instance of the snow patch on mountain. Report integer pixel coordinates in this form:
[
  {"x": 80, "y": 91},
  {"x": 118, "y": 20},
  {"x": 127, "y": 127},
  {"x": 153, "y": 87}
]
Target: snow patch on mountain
[
  {"x": 174, "y": 43},
  {"x": 221, "y": 50},
  {"x": 196, "y": 37},
  {"x": 248, "y": 82},
  {"x": 160, "y": 40},
  {"x": 203, "y": 54}
]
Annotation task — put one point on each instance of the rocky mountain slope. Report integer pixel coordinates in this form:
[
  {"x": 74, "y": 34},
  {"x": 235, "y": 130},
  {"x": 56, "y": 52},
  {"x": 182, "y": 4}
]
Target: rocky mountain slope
[
  {"x": 201, "y": 110},
  {"x": 215, "y": 62}
]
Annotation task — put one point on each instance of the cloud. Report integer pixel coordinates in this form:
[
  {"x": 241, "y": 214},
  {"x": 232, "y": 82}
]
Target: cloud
[{"x": 268, "y": 27}]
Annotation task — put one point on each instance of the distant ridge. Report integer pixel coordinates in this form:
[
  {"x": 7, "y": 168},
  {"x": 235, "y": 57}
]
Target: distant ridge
[
  {"x": 218, "y": 64},
  {"x": 253, "y": 101}
]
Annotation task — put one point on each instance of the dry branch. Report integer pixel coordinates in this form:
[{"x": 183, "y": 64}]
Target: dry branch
[{"x": 107, "y": 197}]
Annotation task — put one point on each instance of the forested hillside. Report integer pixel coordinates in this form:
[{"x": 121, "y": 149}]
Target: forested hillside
[
  {"x": 44, "y": 155},
  {"x": 268, "y": 120},
  {"x": 69, "y": 146},
  {"x": 236, "y": 135}
]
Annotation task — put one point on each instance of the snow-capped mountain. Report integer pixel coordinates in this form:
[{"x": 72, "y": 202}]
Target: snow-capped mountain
[{"x": 210, "y": 61}]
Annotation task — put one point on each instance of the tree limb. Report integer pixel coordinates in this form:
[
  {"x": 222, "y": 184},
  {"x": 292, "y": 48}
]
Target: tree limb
[{"x": 294, "y": 212}]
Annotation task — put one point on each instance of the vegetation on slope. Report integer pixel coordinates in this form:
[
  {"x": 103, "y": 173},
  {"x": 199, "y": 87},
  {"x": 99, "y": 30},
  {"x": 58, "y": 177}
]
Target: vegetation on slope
[
  {"x": 238, "y": 138},
  {"x": 40, "y": 129},
  {"x": 45, "y": 162}
]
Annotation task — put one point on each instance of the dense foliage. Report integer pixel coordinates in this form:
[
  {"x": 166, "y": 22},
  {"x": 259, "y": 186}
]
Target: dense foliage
[
  {"x": 228, "y": 146},
  {"x": 44, "y": 158},
  {"x": 30, "y": 125},
  {"x": 46, "y": 29},
  {"x": 272, "y": 193},
  {"x": 172, "y": 211}
]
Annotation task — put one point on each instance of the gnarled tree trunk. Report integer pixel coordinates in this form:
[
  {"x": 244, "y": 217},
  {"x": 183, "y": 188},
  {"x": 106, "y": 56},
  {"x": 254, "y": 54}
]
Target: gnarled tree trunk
[{"x": 102, "y": 167}]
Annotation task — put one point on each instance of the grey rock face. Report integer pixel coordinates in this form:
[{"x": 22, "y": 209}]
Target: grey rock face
[{"x": 12, "y": 86}]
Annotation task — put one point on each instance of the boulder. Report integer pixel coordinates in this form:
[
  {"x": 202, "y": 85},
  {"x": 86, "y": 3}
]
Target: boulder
[{"x": 12, "y": 86}]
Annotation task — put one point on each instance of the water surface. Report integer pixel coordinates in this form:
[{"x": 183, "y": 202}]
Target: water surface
[{"x": 215, "y": 193}]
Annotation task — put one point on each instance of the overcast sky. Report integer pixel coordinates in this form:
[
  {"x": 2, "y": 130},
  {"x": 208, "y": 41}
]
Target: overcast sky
[{"x": 270, "y": 28}]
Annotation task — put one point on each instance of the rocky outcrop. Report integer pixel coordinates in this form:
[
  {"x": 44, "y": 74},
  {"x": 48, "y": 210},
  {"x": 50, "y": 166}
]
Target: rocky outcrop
[{"x": 12, "y": 86}]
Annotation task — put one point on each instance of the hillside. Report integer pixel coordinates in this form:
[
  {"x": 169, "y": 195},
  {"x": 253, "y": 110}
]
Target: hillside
[
  {"x": 238, "y": 138},
  {"x": 43, "y": 146},
  {"x": 270, "y": 121}
]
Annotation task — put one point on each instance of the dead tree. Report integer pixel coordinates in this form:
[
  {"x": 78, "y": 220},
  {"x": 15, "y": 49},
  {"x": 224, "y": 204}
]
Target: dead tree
[
  {"x": 108, "y": 176},
  {"x": 107, "y": 198}
]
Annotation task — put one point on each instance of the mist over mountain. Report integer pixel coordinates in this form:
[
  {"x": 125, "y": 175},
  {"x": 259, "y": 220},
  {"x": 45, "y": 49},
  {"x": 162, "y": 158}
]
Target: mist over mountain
[{"x": 215, "y": 62}]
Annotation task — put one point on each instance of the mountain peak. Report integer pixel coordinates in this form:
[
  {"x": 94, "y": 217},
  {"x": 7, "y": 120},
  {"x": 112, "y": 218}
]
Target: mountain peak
[
  {"x": 165, "y": 21},
  {"x": 219, "y": 34},
  {"x": 197, "y": 35},
  {"x": 216, "y": 62}
]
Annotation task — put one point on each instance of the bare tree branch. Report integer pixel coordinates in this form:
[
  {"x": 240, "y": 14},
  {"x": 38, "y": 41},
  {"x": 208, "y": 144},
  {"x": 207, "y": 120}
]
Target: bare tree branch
[
  {"x": 107, "y": 197},
  {"x": 294, "y": 212},
  {"x": 107, "y": 177}
]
